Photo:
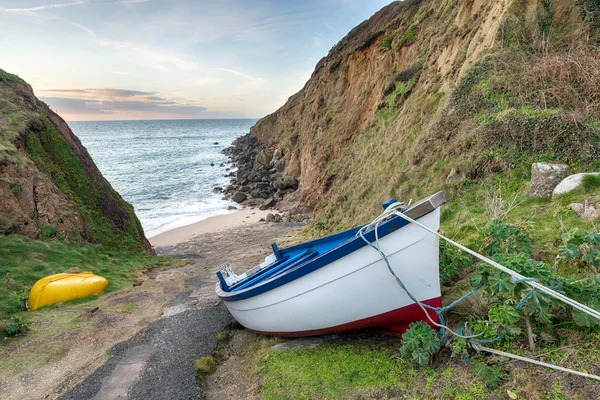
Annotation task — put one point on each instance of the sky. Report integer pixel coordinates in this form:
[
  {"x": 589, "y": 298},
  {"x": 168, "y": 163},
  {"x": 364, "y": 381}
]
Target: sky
[{"x": 168, "y": 59}]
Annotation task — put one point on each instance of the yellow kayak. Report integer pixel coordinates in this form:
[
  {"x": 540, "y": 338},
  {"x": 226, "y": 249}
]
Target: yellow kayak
[{"x": 62, "y": 287}]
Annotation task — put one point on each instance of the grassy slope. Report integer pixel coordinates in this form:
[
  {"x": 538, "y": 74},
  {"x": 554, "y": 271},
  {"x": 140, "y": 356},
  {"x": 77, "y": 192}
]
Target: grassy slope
[
  {"x": 345, "y": 370},
  {"x": 116, "y": 254},
  {"x": 529, "y": 99},
  {"x": 26, "y": 260}
]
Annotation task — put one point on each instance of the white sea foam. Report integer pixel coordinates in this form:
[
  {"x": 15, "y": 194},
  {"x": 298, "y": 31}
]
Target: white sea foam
[{"x": 163, "y": 168}]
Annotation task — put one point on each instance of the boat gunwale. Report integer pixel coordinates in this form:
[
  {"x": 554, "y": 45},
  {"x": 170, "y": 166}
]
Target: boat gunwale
[{"x": 353, "y": 244}]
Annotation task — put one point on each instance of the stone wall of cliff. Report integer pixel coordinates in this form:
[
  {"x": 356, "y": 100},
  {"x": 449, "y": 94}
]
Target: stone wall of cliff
[
  {"x": 49, "y": 184},
  {"x": 434, "y": 94}
]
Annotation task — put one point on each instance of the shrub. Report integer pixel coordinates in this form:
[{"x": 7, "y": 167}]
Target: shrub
[
  {"x": 590, "y": 183},
  {"x": 386, "y": 43},
  {"x": 419, "y": 343},
  {"x": 408, "y": 36},
  {"x": 17, "y": 326},
  {"x": 205, "y": 366}
]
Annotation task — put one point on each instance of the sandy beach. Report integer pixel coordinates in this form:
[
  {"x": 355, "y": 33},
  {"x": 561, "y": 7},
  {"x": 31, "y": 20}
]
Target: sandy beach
[{"x": 214, "y": 224}]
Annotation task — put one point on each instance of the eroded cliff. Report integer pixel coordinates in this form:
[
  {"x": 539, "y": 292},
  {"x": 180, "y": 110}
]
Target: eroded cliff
[
  {"x": 431, "y": 95},
  {"x": 49, "y": 184}
]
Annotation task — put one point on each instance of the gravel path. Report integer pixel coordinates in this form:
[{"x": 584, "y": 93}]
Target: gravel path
[{"x": 159, "y": 361}]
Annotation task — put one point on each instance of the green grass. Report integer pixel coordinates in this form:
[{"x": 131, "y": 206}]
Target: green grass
[
  {"x": 25, "y": 260},
  {"x": 386, "y": 43},
  {"x": 409, "y": 36},
  {"x": 54, "y": 157},
  {"x": 590, "y": 183},
  {"x": 7, "y": 77},
  {"x": 364, "y": 370},
  {"x": 327, "y": 372},
  {"x": 36, "y": 356}
]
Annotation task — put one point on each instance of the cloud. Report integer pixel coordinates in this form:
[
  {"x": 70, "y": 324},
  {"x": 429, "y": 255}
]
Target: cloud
[
  {"x": 159, "y": 57},
  {"x": 119, "y": 102},
  {"x": 70, "y": 4},
  {"x": 255, "y": 81}
]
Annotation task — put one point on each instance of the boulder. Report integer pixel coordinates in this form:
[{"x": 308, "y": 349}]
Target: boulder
[
  {"x": 268, "y": 204},
  {"x": 587, "y": 209},
  {"x": 259, "y": 194},
  {"x": 231, "y": 208},
  {"x": 218, "y": 189},
  {"x": 570, "y": 183},
  {"x": 545, "y": 177},
  {"x": 277, "y": 218},
  {"x": 261, "y": 185},
  {"x": 277, "y": 154},
  {"x": 280, "y": 165},
  {"x": 238, "y": 197},
  {"x": 264, "y": 174},
  {"x": 264, "y": 158},
  {"x": 285, "y": 182},
  {"x": 270, "y": 217}
]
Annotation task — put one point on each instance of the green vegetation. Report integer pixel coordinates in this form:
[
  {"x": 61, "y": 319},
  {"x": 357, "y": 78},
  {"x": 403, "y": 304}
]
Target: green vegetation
[
  {"x": 409, "y": 36},
  {"x": 54, "y": 157},
  {"x": 37, "y": 355},
  {"x": 205, "y": 366},
  {"x": 386, "y": 43},
  {"x": 25, "y": 260},
  {"x": 368, "y": 369},
  {"x": 419, "y": 343},
  {"x": 8, "y": 78},
  {"x": 401, "y": 89},
  {"x": 16, "y": 326},
  {"x": 591, "y": 183},
  {"x": 327, "y": 372}
]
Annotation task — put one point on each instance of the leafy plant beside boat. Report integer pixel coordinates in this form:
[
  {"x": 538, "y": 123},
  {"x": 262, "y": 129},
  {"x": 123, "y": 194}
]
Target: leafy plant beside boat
[{"x": 419, "y": 343}]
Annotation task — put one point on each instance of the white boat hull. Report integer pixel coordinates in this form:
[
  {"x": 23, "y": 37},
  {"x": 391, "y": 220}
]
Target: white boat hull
[{"x": 355, "y": 291}]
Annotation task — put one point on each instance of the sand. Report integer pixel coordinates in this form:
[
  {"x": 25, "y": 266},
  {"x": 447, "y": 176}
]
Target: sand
[{"x": 214, "y": 224}]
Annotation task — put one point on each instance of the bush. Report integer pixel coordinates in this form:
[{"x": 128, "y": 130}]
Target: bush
[
  {"x": 590, "y": 183},
  {"x": 420, "y": 342},
  {"x": 17, "y": 326},
  {"x": 386, "y": 43},
  {"x": 205, "y": 366},
  {"x": 408, "y": 36}
]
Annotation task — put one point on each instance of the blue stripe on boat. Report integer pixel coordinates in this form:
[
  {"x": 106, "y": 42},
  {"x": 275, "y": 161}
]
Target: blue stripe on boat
[{"x": 328, "y": 249}]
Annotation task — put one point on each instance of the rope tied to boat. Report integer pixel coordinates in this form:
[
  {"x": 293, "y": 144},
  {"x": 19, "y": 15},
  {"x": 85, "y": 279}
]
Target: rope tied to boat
[{"x": 397, "y": 209}]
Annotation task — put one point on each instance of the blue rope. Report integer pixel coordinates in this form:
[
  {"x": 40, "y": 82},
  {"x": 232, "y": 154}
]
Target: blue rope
[
  {"x": 524, "y": 299},
  {"x": 440, "y": 310}
]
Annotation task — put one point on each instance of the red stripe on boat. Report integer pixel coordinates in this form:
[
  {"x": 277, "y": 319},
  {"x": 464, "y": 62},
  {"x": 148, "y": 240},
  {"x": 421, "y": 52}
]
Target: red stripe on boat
[{"x": 394, "y": 322}]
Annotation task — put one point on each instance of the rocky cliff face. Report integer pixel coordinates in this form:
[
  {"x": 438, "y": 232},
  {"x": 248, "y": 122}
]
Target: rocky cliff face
[
  {"x": 49, "y": 185},
  {"x": 430, "y": 95}
]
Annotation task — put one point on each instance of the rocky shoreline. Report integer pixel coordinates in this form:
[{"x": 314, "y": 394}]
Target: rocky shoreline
[{"x": 260, "y": 181}]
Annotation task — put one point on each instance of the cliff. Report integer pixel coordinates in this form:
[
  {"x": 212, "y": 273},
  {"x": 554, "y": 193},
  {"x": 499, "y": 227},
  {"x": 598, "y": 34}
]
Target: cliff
[
  {"x": 49, "y": 185},
  {"x": 439, "y": 94}
]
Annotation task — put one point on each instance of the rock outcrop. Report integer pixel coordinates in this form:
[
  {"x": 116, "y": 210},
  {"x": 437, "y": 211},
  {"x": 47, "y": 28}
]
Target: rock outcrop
[
  {"x": 259, "y": 179},
  {"x": 49, "y": 184},
  {"x": 545, "y": 177},
  {"x": 427, "y": 87}
]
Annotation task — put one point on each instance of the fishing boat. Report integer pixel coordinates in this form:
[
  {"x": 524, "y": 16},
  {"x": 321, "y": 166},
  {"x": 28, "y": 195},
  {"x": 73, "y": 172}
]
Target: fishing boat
[
  {"x": 63, "y": 287},
  {"x": 339, "y": 282}
]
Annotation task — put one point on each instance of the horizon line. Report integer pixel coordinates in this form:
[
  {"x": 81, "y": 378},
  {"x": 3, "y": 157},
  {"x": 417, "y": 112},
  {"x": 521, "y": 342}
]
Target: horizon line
[{"x": 156, "y": 119}]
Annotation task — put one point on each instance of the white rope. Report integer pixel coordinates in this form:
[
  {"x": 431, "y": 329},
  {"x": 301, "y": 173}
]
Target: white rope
[
  {"x": 581, "y": 307},
  {"x": 389, "y": 212},
  {"x": 394, "y": 208},
  {"x": 532, "y": 361}
]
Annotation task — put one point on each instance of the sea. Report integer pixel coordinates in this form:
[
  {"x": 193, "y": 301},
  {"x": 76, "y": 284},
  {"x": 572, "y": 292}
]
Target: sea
[{"x": 166, "y": 169}]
